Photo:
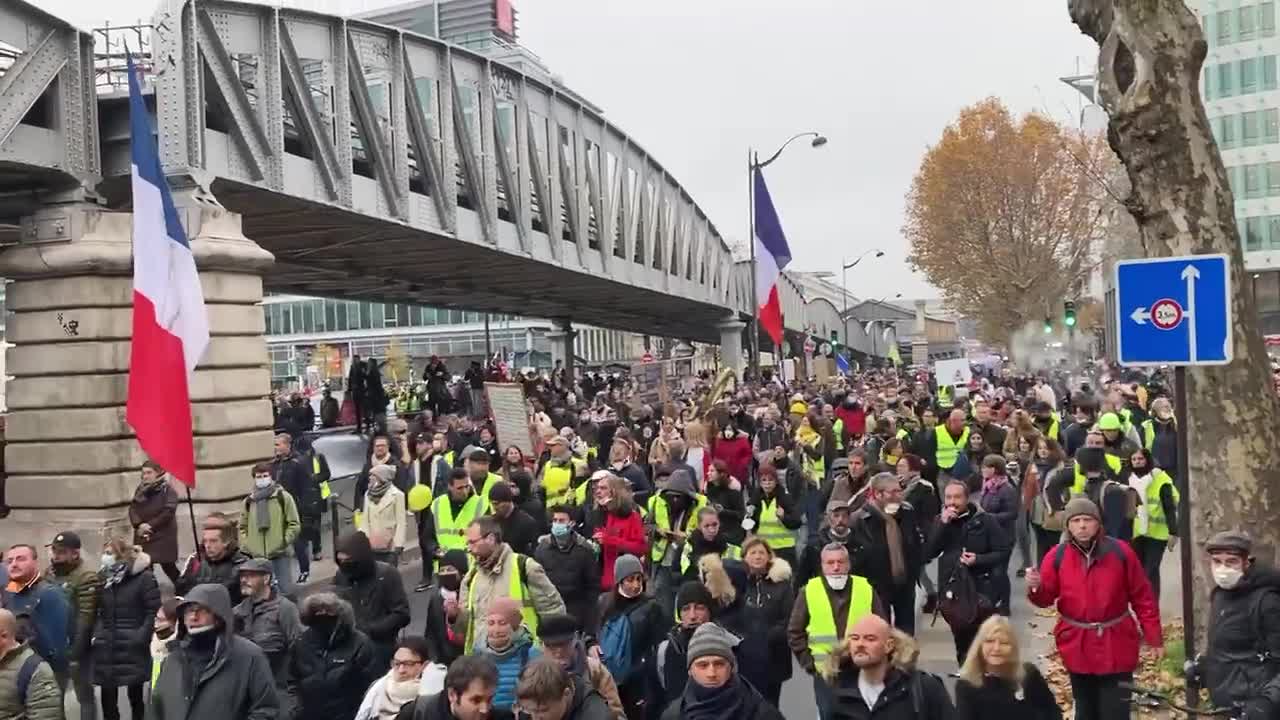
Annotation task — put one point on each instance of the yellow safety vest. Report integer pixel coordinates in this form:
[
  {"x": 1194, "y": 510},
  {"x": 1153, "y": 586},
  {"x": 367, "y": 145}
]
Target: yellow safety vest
[
  {"x": 516, "y": 591},
  {"x": 1157, "y": 523},
  {"x": 838, "y": 430},
  {"x": 944, "y": 396},
  {"x": 1077, "y": 487},
  {"x": 557, "y": 480},
  {"x": 451, "y": 532},
  {"x": 949, "y": 450},
  {"x": 1149, "y": 433},
  {"x": 325, "y": 491},
  {"x": 658, "y": 508},
  {"x": 822, "y": 630},
  {"x": 902, "y": 433},
  {"x": 489, "y": 482},
  {"x": 771, "y": 528},
  {"x": 732, "y": 552},
  {"x": 1054, "y": 421},
  {"x": 817, "y": 466}
]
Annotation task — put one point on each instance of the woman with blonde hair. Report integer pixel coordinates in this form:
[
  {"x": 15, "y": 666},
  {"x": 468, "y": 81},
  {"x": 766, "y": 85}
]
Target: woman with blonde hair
[
  {"x": 994, "y": 682},
  {"x": 697, "y": 453},
  {"x": 127, "y": 607}
]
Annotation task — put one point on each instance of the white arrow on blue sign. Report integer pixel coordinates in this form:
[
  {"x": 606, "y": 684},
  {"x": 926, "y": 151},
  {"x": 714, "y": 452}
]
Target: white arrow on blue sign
[{"x": 1174, "y": 311}]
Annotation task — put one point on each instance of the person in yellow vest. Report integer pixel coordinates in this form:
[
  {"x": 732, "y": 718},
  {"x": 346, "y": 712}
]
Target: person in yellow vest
[
  {"x": 447, "y": 522},
  {"x": 773, "y": 515},
  {"x": 672, "y": 516},
  {"x": 561, "y": 474},
  {"x": 482, "y": 480},
  {"x": 1114, "y": 464},
  {"x": 1116, "y": 438},
  {"x": 1160, "y": 435},
  {"x": 825, "y": 608},
  {"x": 706, "y": 540},
  {"x": 948, "y": 442},
  {"x": 498, "y": 571},
  {"x": 1155, "y": 528}
]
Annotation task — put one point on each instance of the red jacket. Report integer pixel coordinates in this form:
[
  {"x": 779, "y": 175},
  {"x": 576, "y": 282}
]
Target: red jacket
[
  {"x": 735, "y": 453},
  {"x": 1095, "y": 590},
  {"x": 620, "y": 536},
  {"x": 855, "y": 420}
]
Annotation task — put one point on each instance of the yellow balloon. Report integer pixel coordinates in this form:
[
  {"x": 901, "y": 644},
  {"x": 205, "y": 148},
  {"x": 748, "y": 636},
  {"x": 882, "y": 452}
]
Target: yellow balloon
[{"x": 419, "y": 498}]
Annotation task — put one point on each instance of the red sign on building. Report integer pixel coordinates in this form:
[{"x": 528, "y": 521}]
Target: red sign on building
[{"x": 506, "y": 17}]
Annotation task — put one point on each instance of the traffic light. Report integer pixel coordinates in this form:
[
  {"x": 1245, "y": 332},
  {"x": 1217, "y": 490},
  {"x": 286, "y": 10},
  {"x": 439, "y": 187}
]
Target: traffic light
[
  {"x": 1048, "y": 325},
  {"x": 1069, "y": 313}
]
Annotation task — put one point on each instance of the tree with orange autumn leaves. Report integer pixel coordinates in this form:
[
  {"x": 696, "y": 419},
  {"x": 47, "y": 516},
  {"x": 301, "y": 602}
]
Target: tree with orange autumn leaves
[{"x": 1005, "y": 215}]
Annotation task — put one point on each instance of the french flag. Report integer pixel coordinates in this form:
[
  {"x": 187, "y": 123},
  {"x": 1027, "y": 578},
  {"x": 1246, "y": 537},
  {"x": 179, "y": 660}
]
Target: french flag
[
  {"x": 772, "y": 255},
  {"x": 170, "y": 324}
]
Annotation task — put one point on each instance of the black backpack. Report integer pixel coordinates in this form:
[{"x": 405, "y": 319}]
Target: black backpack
[{"x": 960, "y": 602}]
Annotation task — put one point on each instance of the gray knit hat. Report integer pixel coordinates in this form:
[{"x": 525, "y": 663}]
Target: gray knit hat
[
  {"x": 626, "y": 566},
  {"x": 1081, "y": 505},
  {"x": 711, "y": 639},
  {"x": 383, "y": 472}
]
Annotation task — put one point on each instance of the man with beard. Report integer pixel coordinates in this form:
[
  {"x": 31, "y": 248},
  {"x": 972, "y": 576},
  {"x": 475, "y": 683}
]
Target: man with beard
[
  {"x": 887, "y": 538},
  {"x": 836, "y": 531},
  {"x": 716, "y": 690},
  {"x": 694, "y": 603},
  {"x": 706, "y": 540},
  {"x": 876, "y": 682}
]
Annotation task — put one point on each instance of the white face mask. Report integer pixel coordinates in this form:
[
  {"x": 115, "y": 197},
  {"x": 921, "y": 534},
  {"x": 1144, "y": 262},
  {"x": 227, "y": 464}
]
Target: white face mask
[
  {"x": 262, "y": 482},
  {"x": 892, "y": 508},
  {"x": 1226, "y": 577},
  {"x": 837, "y": 582},
  {"x": 199, "y": 630}
]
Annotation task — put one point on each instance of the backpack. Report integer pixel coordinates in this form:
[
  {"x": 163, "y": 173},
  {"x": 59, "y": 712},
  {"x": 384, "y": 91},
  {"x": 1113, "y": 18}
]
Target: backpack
[
  {"x": 25, "y": 675},
  {"x": 615, "y": 647},
  {"x": 1132, "y": 501},
  {"x": 960, "y": 602}
]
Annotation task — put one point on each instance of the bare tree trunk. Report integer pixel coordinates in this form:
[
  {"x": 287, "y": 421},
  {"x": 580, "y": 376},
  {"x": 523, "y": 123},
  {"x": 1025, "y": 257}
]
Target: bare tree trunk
[{"x": 1149, "y": 65}]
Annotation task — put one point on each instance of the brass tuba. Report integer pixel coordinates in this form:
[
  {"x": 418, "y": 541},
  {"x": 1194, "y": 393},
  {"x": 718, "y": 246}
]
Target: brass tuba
[{"x": 717, "y": 391}]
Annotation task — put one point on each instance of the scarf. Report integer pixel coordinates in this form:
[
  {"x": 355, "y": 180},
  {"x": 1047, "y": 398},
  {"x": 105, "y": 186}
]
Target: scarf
[
  {"x": 726, "y": 701},
  {"x": 377, "y": 488},
  {"x": 989, "y": 487},
  {"x": 115, "y": 574},
  {"x": 394, "y": 696},
  {"x": 261, "y": 510},
  {"x": 893, "y": 539}
]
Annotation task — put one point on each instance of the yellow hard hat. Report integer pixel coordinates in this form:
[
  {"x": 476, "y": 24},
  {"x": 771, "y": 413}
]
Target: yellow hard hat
[{"x": 419, "y": 498}]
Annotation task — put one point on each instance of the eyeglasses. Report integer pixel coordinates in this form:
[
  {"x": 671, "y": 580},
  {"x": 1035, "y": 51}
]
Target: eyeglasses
[{"x": 397, "y": 664}]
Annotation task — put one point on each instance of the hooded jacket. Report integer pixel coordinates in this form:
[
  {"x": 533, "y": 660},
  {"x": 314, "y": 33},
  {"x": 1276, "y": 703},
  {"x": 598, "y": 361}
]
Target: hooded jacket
[
  {"x": 905, "y": 689},
  {"x": 766, "y": 610},
  {"x": 330, "y": 669},
  {"x": 235, "y": 683},
  {"x": 121, "y": 647},
  {"x": 375, "y": 592},
  {"x": 1245, "y": 625}
]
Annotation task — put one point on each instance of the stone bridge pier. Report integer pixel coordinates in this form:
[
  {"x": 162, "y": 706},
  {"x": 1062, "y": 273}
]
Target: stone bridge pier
[{"x": 72, "y": 460}]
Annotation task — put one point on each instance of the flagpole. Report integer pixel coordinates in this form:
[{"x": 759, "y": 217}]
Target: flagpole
[
  {"x": 195, "y": 534},
  {"x": 754, "y": 336}
]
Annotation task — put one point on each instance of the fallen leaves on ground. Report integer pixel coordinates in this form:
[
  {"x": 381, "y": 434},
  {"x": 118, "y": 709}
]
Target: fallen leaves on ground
[{"x": 1150, "y": 675}]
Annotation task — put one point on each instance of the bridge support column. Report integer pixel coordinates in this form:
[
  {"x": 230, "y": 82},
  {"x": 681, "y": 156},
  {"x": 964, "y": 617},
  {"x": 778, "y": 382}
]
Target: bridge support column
[
  {"x": 731, "y": 345},
  {"x": 72, "y": 460},
  {"x": 561, "y": 337}
]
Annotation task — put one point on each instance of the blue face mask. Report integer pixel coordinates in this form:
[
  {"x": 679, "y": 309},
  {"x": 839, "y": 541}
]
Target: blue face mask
[{"x": 559, "y": 529}]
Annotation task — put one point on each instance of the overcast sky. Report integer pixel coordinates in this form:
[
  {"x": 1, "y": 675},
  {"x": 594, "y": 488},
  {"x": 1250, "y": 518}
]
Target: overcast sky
[{"x": 697, "y": 82}]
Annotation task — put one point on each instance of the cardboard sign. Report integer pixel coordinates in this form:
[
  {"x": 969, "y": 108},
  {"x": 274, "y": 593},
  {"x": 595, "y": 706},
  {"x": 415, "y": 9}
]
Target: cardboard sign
[
  {"x": 651, "y": 383},
  {"x": 510, "y": 415},
  {"x": 953, "y": 372}
]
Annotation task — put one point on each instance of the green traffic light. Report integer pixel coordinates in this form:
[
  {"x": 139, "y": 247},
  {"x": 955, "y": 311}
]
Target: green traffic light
[{"x": 1071, "y": 320}]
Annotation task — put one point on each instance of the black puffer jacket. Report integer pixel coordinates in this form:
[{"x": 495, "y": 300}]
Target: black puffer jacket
[
  {"x": 330, "y": 669},
  {"x": 978, "y": 533},
  {"x": 121, "y": 647},
  {"x": 376, "y": 594},
  {"x": 765, "y": 613},
  {"x": 224, "y": 571},
  {"x": 575, "y": 571},
  {"x": 1244, "y": 625}
]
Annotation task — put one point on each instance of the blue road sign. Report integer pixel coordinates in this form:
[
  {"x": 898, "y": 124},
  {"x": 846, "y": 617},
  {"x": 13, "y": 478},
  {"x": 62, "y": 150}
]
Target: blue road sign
[{"x": 1174, "y": 311}]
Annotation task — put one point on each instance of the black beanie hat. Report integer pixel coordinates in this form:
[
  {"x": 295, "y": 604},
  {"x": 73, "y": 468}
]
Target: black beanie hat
[{"x": 693, "y": 592}]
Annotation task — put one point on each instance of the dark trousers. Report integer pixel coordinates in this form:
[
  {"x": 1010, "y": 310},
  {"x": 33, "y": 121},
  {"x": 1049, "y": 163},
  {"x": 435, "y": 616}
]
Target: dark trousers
[
  {"x": 900, "y": 602},
  {"x": 772, "y": 692},
  {"x": 823, "y": 695},
  {"x": 1099, "y": 697},
  {"x": 111, "y": 702},
  {"x": 171, "y": 569},
  {"x": 964, "y": 638},
  {"x": 1046, "y": 540},
  {"x": 424, "y": 540},
  {"x": 302, "y": 551},
  {"x": 1151, "y": 551}
]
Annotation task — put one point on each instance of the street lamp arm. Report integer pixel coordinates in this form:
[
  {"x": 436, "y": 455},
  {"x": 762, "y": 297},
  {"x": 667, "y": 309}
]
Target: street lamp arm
[
  {"x": 877, "y": 251},
  {"x": 815, "y": 135}
]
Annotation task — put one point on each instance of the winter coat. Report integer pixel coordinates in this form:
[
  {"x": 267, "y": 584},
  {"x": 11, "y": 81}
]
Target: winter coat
[
  {"x": 376, "y": 593},
  {"x": 574, "y": 571},
  {"x": 520, "y": 531},
  {"x": 224, "y": 571},
  {"x": 1244, "y": 625},
  {"x": 156, "y": 504},
  {"x": 998, "y": 698},
  {"x": 291, "y": 474},
  {"x": 980, "y": 534},
  {"x": 44, "y": 696},
  {"x": 869, "y": 557},
  {"x": 44, "y": 618},
  {"x": 276, "y": 540},
  {"x": 273, "y": 625},
  {"x": 436, "y": 707},
  {"x": 895, "y": 701},
  {"x": 80, "y": 585},
  {"x": 810, "y": 559},
  {"x": 587, "y": 703},
  {"x": 444, "y": 644},
  {"x": 922, "y": 496},
  {"x": 121, "y": 647},
  {"x": 386, "y": 517},
  {"x": 791, "y": 517},
  {"x": 615, "y": 534},
  {"x": 329, "y": 672},
  {"x": 1002, "y": 504},
  {"x": 728, "y": 501},
  {"x": 766, "y": 611},
  {"x": 649, "y": 626},
  {"x": 236, "y": 682},
  {"x": 1098, "y": 587},
  {"x": 486, "y": 583},
  {"x": 753, "y": 705},
  {"x": 509, "y": 662},
  {"x": 735, "y": 453}
]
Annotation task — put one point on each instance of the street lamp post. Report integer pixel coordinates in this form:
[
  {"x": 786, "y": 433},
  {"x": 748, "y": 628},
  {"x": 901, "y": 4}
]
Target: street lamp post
[
  {"x": 844, "y": 287},
  {"x": 753, "y": 165}
]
